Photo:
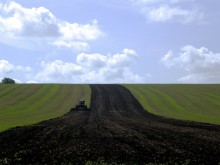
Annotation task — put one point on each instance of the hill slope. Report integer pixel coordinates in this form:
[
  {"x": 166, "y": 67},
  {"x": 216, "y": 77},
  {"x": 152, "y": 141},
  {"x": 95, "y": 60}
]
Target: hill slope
[
  {"x": 188, "y": 102},
  {"x": 116, "y": 130},
  {"x": 24, "y": 104}
]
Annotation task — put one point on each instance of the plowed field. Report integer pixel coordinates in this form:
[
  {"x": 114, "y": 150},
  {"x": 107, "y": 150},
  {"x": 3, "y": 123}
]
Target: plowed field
[{"x": 117, "y": 129}]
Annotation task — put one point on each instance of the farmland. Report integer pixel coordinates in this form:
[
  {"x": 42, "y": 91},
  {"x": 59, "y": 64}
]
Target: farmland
[
  {"x": 25, "y": 104},
  {"x": 187, "y": 102},
  {"x": 116, "y": 130}
]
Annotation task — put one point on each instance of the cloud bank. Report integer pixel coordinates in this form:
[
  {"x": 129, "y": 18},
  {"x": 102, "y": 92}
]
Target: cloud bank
[
  {"x": 92, "y": 68},
  {"x": 33, "y": 25},
  {"x": 9, "y": 70},
  {"x": 201, "y": 64},
  {"x": 169, "y": 10}
]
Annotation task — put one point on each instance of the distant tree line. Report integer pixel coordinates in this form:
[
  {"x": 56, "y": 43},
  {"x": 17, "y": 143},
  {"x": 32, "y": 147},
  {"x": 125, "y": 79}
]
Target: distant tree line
[{"x": 8, "y": 81}]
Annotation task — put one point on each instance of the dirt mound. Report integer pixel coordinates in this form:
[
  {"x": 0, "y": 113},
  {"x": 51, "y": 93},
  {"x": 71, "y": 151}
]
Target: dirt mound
[{"x": 117, "y": 129}]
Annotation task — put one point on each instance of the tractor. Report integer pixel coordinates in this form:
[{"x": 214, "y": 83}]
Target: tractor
[{"x": 81, "y": 106}]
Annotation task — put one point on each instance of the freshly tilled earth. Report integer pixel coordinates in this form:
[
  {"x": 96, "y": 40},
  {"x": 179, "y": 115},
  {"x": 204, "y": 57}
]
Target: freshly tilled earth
[{"x": 116, "y": 130}]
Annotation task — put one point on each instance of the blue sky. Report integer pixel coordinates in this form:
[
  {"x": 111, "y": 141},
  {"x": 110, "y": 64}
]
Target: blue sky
[{"x": 112, "y": 41}]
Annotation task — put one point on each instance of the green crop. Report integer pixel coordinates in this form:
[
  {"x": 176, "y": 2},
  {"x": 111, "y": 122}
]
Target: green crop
[
  {"x": 188, "y": 102},
  {"x": 23, "y": 104}
]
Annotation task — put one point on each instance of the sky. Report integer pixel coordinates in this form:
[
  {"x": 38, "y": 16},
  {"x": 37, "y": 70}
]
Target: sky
[{"x": 110, "y": 41}]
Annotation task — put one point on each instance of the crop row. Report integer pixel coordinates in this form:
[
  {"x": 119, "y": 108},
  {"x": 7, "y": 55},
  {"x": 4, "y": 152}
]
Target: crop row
[
  {"x": 27, "y": 104},
  {"x": 187, "y": 102}
]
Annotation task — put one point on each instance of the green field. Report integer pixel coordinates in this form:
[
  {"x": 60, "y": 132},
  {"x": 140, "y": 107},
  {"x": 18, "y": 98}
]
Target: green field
[
  {"x": 25, "y": 104},
  {"x": 187, "y": 102}
]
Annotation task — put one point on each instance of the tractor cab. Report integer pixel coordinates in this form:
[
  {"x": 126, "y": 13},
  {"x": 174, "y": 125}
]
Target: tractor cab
[
  {"x": 81, "y": 106},
  {"x": 82, "y": 103}
]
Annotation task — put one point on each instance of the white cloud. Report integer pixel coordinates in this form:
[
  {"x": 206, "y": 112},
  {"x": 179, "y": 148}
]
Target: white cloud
[
  {"x": 13, "y": 71},
  {"x": 122, "y": 59},
  {"x": 170, "y": 10},
  {"x": 165, "y": 13},
  {"x": 92, "y": 68},
  {"x": 83, "y": 46},
  {"x": 202, "y": 65},
  {"x": 32, "y": 82},
  {"x": 34, "y": 24},
  {"x": 201, "y": 78},
  {"x": 59, "y": 71},
  {"x": 92, "y": 60},
  {"x": 80, "y": 32},
  {"x": 7, "y": 68}
]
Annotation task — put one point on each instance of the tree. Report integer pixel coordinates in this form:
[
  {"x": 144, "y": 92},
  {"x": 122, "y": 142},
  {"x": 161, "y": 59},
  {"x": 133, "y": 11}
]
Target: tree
[{"x": 8, "y": 81}]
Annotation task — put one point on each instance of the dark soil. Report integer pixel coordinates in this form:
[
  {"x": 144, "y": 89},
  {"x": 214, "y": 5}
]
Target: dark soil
[{"x": 117, "y": 129}]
